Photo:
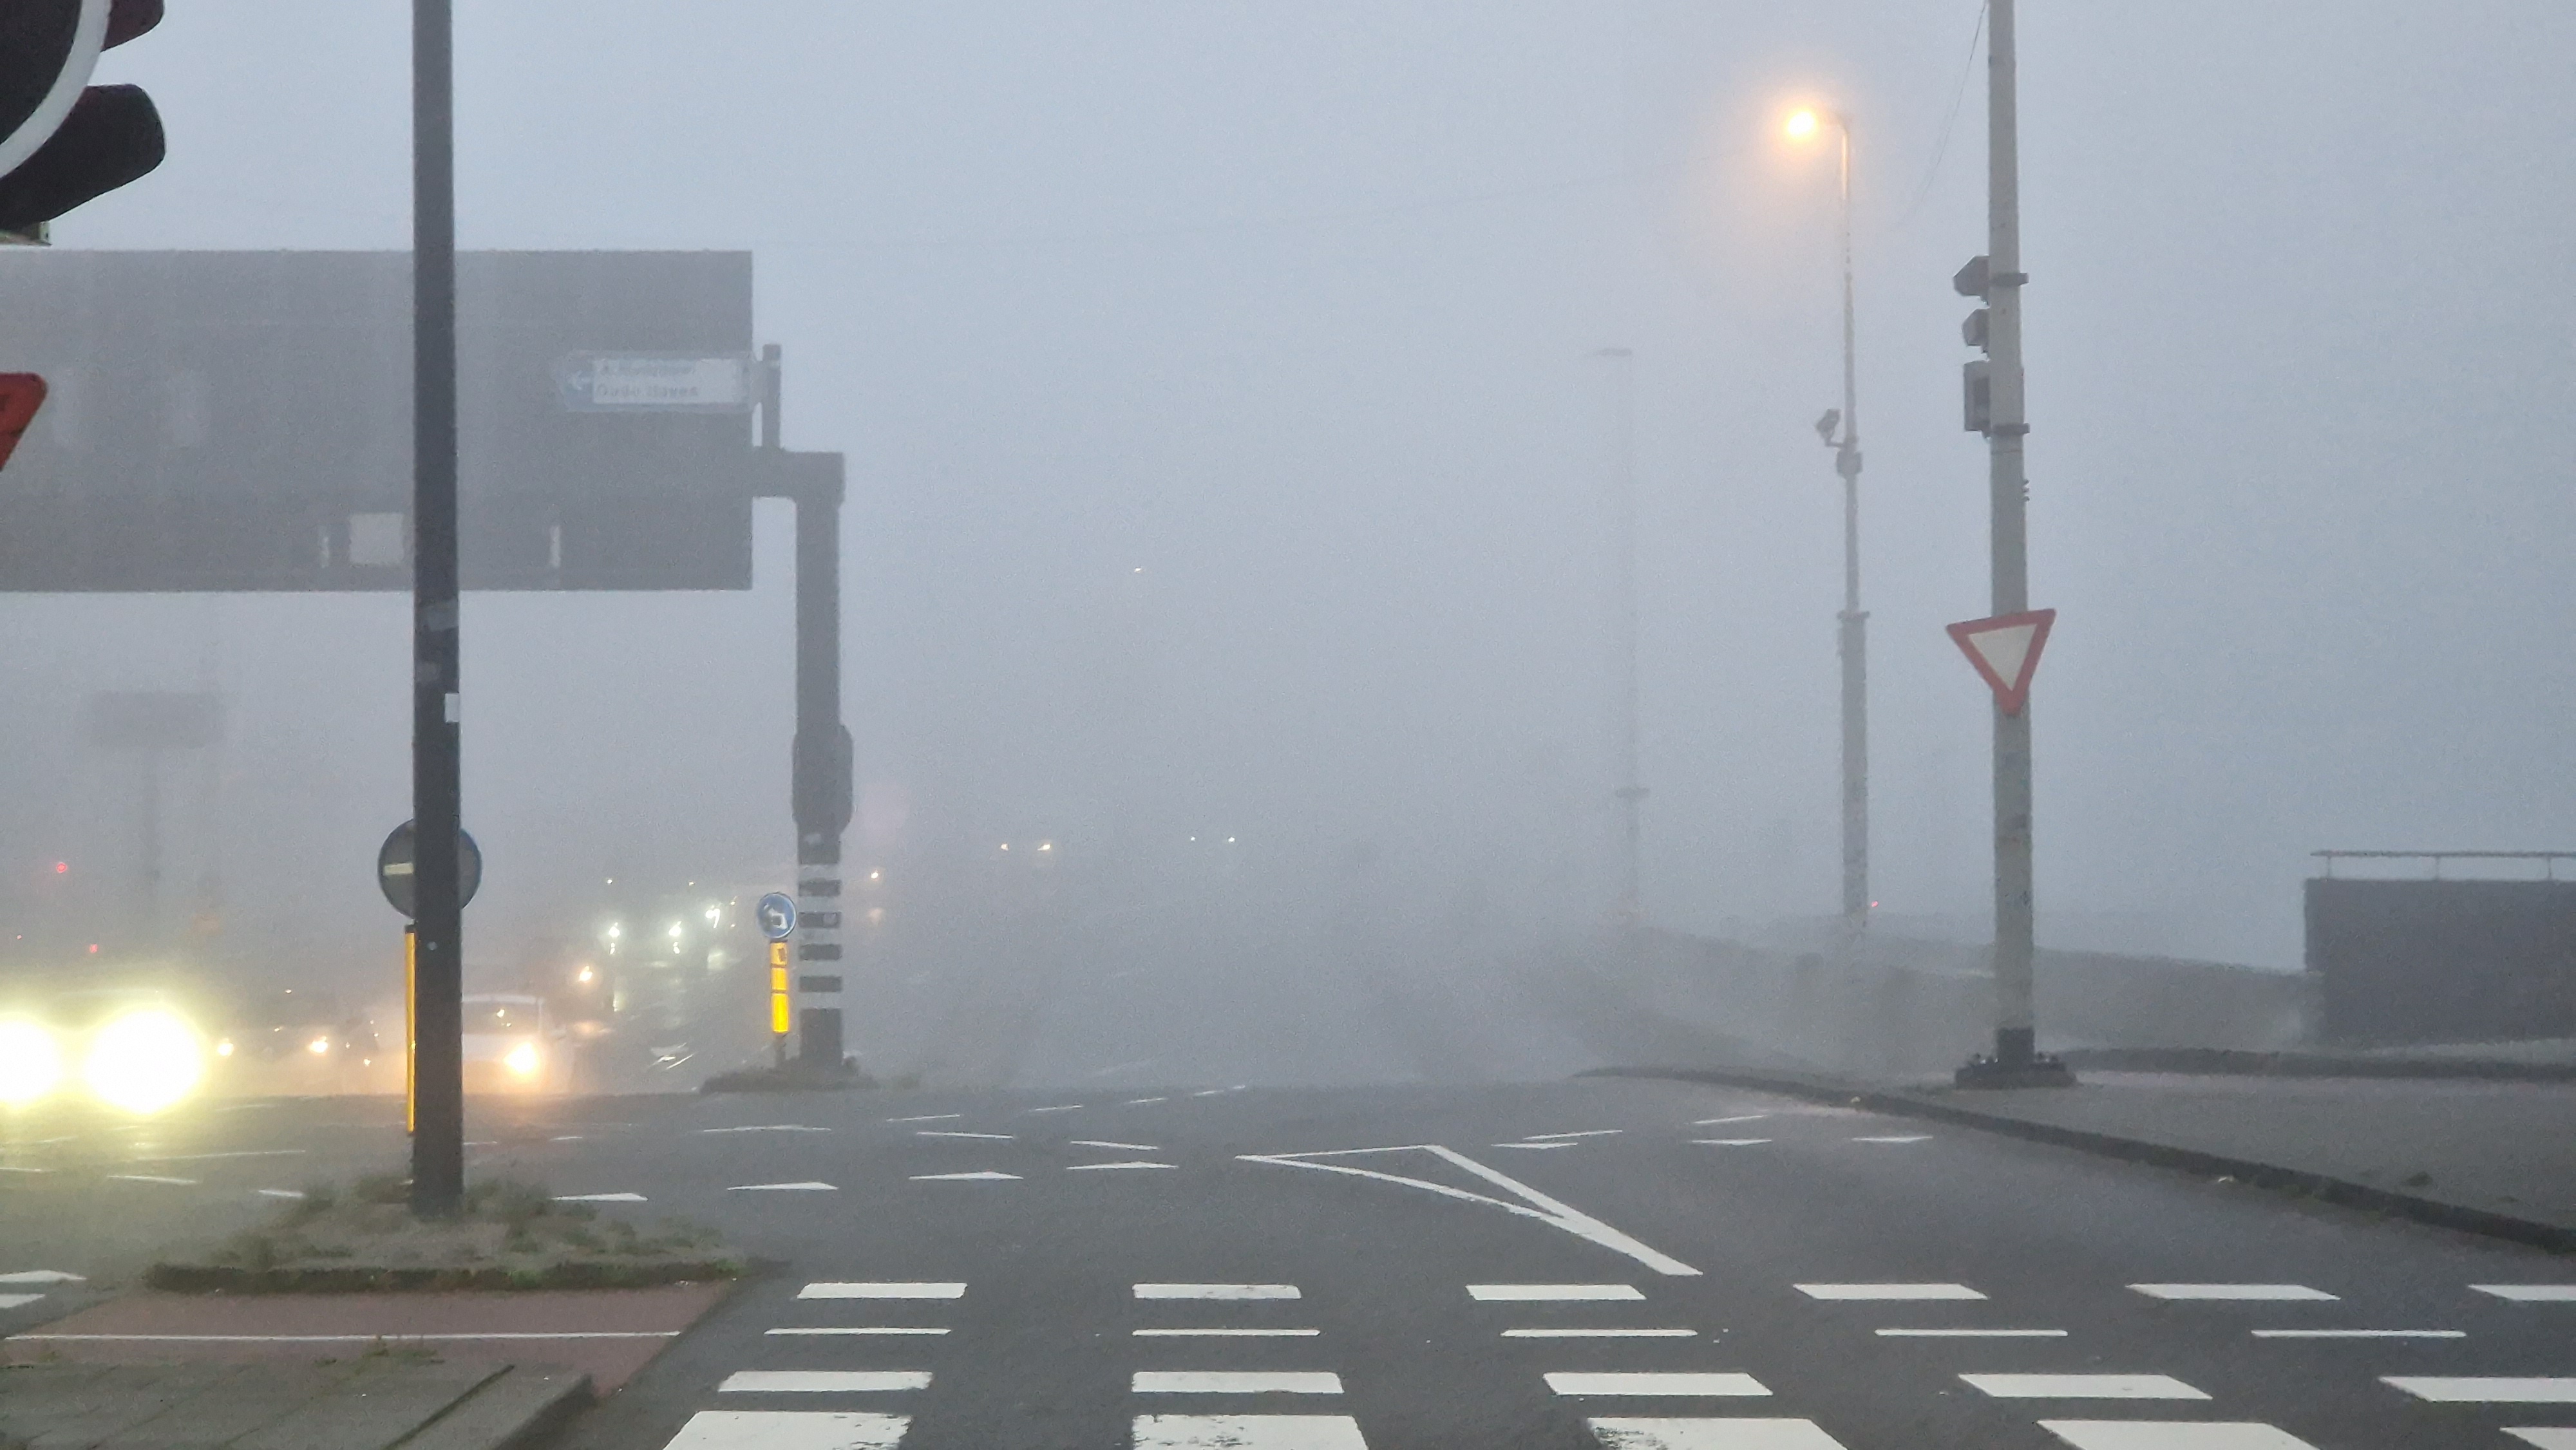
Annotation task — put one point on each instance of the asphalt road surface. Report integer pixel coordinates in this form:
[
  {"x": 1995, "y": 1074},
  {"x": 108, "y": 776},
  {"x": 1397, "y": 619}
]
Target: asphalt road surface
[{"x": 1596, "y": 1261}]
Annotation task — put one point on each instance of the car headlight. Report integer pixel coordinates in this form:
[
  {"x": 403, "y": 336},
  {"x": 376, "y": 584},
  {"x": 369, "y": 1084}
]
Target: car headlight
[
  {"x": 522, "y": 1059},
  {"x": 143, "y": 1062},
  {"x": 30, "y": 1065},
  {"x": 318, "y": 1046}
]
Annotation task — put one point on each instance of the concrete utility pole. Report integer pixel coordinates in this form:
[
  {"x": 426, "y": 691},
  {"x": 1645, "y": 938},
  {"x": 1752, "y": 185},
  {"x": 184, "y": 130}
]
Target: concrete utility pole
[
  {"x": 2015, "y": 1061},
  {"x": 1630, "y": 794},
  {"x": 438, "y": 1139}
]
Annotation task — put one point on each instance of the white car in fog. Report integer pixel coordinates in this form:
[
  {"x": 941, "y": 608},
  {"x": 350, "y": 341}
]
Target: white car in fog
[{"x": 512, "y": 1045}]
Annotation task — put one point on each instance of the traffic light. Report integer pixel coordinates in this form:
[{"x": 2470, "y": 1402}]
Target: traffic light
[
  {"x": 1977, "y": 379},
  {"x": 64, "y": 141}
]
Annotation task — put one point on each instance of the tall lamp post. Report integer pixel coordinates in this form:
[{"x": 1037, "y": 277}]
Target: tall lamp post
[{"x": 1854, "y": 633}]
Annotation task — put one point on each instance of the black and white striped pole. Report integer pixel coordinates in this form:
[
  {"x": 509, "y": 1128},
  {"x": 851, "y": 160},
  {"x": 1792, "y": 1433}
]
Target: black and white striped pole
[{"x": 819, "y": 788}]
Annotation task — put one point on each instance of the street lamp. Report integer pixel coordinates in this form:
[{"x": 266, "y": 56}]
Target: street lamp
[{"x": 1803, "y": 125}]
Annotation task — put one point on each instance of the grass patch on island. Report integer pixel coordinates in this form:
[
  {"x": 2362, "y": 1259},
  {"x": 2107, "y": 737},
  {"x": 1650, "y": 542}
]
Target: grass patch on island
[{"x": 511, "y": 1235}]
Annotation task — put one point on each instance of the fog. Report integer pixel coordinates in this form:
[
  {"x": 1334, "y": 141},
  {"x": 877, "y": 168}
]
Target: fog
[{"x": 1229, "y": 459}]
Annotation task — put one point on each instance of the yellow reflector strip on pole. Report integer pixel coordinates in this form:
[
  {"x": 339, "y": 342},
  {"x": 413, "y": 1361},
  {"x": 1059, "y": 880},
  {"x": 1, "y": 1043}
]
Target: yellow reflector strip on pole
[
  {"x": 778, "y": 954},
  {"x": 778, "y": 979},
  {"x": 778, "y": 1013}
]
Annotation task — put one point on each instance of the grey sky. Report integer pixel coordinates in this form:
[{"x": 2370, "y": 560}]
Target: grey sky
[{"x": 1288, "y": 305}]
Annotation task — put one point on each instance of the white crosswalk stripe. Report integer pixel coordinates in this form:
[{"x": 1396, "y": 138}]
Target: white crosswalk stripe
[
  {"x": 790, "y": 1430},
  {"x": 822, "y": 1381},
  {"x": 1236, "y": 1382},
  {"x": 2172, "y": 1435},
  {"x": 1247, "y": 1432},
  {"x": 2488, "y": 1389},
  {"x": 1710, "y": 1433},
  {"x": 2083, "y": 1387},
  {"x": 2275, "y": 1293},
  {"x": 1661, "y": 1383}
]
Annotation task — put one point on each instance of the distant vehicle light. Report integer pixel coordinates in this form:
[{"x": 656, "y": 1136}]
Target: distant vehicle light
[
  {"x": 615, "y": 930},
  {"x": 318, "y": 1046},
  {"x": 143, "y": 1062},
  {"x": 224, "y": 1048},
  {"x": 30, "y": 1065},
  {"x": 585, "y": 976},
  {"x": 715, "y": 914},
  {"x": 676, "y": 929},
  {"x": 876, "y": 875},
  {"x": 61, "y": 867},
  {"x": 522, "y": 1060}
]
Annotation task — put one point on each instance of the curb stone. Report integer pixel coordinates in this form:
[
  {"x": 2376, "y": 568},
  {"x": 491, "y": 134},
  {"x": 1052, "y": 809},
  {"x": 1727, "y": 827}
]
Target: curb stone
[{"x": 2536, "y": 1233}]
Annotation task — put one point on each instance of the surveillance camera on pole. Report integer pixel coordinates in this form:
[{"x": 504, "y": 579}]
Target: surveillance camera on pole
[{"x": 64, "y": 141}]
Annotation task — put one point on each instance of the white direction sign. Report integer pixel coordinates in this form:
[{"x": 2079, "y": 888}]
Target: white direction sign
[
  {"x": 655, "y": 383},
  {"x": 2005, "y": 649}
]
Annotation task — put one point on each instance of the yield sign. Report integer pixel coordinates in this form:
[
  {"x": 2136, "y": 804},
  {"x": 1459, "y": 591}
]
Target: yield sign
[
  {"x": 21, "y": 394},
  {"x": 2005, "y": 649}
]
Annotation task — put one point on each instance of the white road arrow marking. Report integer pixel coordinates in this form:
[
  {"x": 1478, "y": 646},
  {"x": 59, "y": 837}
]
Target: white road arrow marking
[{"x": 1533, "y": 1204}]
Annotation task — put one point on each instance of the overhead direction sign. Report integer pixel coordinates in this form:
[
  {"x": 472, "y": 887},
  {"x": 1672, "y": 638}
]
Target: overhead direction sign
[
  {"x": 655, "y": 383},
  {"x": 2005, "y": 649}
]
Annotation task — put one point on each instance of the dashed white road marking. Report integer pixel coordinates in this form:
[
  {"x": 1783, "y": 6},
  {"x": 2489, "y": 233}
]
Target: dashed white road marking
[
  {"x": 42, "y": 1276},
  {"x": 1116, "y": 1068},
  {"x": 2083, "y": 1387},
  {"x": 1216, "y": 1291},
  {"x": 2173, "y": 1435},
  {"x": 2531, "y": 1293},
  {"x": 279, "y": 1192},
  {"x": 1600, "y": 1334},
  {"x": 1140, "y": 1102},
  {"x": 1731, "y": 1142},
  {"x": 1691, "y": 1383},
  {"x": 1970, "y": 1333},
  {"x": 1584, "y": 1133},
  {"x": 1245, "y": 1432},
  {"x": 822, "y": 1381},
  {"x": 929, "y": 1118},
  {"x": 1058, "y": 1108},
  {"x": 805, "y": 1187},
  {"x": 880, "y": 1289},
  {"x": 953, "y": 1133},
  {"x": 858, "y": 1329},
  {"x": 15, "y": 1168},
  {"x": 1121, "y": 1147},
  {"x": 599, "y": 1198},
  {"x": 152, "y": 1178},
  {"x": 1888, "y": 1292},
  {"x": 1895, "y": 1138},
  {"x": 565, "y": 1138},
  {"x": 2267, "y": 1292},
  {"x": 984, "y": 1176},
  {"x": 1235, "y": 1382},
  {"x": 1737, "y": 1118},
  {"x": 2361, "y": 1334},
  {"x": 1534, "y": 1145},
  {"x": 1100, "y": 1167},
  {"x": 1533, "y": 1204},
  {"x": 211, "y": 1157},
  {"x": 1731, "y": 1433},
  {"x": 13, "y": 1301},
  {"x": 1224, "y": 1333},
  {"x": 1539, "y": 1293},
  {"x": 790, "y": 1430},
  {"x": 2487, "y": 1389},
  {"x": 780, "y": 1128}
]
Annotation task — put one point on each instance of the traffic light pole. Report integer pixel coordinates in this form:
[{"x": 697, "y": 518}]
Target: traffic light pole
[
  {"x": 438, "y": 1138},
  {"x": 819, "y": 788},
  {"x": 2015, "y": 1061}
]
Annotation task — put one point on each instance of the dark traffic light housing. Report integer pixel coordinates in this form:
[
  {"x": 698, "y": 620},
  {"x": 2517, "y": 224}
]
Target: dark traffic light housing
[
  {"x": 63, "y": 141},
  {"x": 1976, "y": 380}
]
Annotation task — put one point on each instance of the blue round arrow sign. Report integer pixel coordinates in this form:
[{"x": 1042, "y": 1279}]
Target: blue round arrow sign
[{"x": 777, "y": 915}]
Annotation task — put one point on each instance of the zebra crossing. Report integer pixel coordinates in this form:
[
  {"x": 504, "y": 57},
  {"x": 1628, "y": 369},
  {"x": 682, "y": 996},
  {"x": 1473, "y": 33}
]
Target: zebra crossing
[{"x": 1273, "y": 1400}]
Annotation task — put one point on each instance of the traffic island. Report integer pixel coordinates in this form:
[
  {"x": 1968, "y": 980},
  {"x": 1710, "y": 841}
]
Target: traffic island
[
  {"x": 797, "y": 1074},
  {"x": 510, "y": 1236}
]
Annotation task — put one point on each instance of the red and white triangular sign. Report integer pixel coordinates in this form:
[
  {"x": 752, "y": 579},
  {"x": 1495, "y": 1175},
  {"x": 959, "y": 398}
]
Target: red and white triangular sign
[
  {"x": 2005, "y": 649},
  {"x": 21, "y": 394}
]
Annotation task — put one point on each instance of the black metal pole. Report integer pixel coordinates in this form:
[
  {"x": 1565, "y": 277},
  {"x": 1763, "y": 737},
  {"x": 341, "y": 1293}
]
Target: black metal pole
[{"x": 438, "y": 1142}]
